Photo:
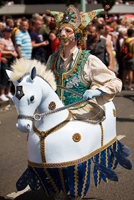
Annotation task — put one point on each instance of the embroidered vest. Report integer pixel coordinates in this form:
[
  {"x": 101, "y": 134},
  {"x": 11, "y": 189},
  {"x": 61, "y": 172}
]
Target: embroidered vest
[{"x": 72, "y": 79}]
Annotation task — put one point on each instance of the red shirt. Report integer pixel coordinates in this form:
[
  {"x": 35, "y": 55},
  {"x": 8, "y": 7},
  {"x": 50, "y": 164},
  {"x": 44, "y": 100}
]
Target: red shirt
[{"x": 55, "y": 45}]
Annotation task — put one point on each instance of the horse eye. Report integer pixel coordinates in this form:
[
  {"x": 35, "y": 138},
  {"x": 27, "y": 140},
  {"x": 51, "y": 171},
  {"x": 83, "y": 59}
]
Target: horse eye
[{"x": 31, "y": 98}]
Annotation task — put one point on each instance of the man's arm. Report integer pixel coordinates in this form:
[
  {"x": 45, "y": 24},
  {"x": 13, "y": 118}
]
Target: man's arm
[
  {"x": 19, "y": 51},
  {"x": 110, "y": 53},
  {"x": 36, "y": 45}
]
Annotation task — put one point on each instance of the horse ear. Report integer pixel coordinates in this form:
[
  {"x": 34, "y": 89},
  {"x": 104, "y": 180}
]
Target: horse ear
[
  {"x": 33, "y": 73},
  {"x": 9, "y": 73}
]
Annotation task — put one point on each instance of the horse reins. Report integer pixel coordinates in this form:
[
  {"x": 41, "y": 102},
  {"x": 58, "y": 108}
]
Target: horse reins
[{"x": 37, "y": 117}]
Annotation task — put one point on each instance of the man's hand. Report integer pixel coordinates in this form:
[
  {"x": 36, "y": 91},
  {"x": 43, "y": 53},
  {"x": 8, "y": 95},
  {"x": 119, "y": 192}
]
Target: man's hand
[
  {"x": 110, "y": 68},
  {"x": 45, "y": 43},
  {"x": 90, "y": 94},
  {"x": 14, "y": 54}
]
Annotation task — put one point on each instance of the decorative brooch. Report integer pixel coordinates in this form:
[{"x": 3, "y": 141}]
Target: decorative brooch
[{"x": 19, "y": 92}]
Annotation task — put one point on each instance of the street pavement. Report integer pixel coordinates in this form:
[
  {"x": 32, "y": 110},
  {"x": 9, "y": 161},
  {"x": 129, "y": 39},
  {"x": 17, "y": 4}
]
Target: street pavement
[{"x": 13, "y": 156}]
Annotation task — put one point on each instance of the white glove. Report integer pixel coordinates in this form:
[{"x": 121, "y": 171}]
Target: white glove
[{"x": 90, "y": 94}]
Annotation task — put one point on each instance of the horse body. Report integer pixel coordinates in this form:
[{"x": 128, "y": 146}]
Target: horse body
[
  {"x": 60, "y": 143},
  {"x": 59, "y": 146}
]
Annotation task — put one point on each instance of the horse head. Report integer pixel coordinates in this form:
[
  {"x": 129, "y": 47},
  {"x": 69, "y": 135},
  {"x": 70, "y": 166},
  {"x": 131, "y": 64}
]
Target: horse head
[{"x": 26, "y": 99}]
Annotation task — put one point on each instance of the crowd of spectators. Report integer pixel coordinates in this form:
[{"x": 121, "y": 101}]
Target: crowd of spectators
[
  {"x": 36, "y": 38},
  {"x": 24, "y": 38}
]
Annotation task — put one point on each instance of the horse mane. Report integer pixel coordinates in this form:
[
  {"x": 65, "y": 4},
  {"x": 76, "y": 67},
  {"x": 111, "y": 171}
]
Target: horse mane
[{"x": 23, "y": 66}]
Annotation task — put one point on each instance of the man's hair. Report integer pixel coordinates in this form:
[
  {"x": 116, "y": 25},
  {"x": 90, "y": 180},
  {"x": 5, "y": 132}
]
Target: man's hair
[
  {"x": 23, "y": 20},
  {"x": 8, "y": 21},
  {"x": 53, "y": 31},
  {"x": 35, "y": 16},
  {"x": 98, "y": 27},
  {"x": 130, "y": 31},
  {"x": 46, "y": 19}
]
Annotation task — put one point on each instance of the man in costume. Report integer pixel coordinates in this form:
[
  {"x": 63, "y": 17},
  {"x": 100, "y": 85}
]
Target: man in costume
[{"x": 78, "y": 70}]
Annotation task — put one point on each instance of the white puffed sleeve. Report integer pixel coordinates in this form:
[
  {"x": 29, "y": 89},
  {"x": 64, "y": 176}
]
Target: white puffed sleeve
[{"x": 102, "y": 78}]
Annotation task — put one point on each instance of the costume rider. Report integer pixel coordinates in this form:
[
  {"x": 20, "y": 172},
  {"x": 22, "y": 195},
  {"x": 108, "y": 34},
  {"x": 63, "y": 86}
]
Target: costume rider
[{"x": 77, "y": 69}]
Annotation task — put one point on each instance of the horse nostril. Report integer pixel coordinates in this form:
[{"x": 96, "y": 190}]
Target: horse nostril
[{"x": 28, "y": 126}]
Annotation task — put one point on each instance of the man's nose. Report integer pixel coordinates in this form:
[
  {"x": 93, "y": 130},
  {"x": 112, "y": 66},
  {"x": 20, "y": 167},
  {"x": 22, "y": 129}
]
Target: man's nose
[{"x": 63, "y": 32}]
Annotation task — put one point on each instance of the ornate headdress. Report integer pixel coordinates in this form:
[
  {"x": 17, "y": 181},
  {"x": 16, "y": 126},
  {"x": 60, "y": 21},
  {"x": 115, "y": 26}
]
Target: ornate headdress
[{"x": 76, "y": 20}]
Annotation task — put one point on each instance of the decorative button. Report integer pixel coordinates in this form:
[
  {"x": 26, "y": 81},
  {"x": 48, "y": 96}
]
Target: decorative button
[
  {"x": 52, "y": 105},
  {"x": 76, "y": 137}
]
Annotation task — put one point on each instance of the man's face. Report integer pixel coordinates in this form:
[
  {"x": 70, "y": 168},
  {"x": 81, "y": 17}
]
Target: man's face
[
  {"x": 92, "y": 32},
  {"x": 38, "y": 25},
  {"x": 67, "y": 35},
  {"x": 24, "y": 26},
  {"x": 107, "y": 29},
  {"x": 123, "y": 21},
  {"x": 11, "y": 24}
]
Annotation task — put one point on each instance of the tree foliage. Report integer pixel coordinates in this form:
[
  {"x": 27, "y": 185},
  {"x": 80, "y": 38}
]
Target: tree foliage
[{"x": 107, "y": 2}]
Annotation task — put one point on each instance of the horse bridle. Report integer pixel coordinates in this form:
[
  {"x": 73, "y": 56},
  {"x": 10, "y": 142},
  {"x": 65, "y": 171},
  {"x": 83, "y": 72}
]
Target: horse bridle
[{"x": 37, "y": 117}]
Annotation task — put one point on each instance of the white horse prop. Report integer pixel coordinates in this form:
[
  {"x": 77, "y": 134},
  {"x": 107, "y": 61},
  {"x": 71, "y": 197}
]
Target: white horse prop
[{"x": 61, "y": 148}]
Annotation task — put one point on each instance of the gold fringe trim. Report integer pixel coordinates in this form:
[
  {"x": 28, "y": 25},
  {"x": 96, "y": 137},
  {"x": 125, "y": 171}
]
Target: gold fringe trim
[
  {"x": 76, "y": 180},
  {"x": 74, "y": 162},
  {"x": 51, "y": 180},
  {"x": 62, "y": 181},
  {"x": 113, "y": 164},
  {"x": 98, "y": 172},
  {"x": 85, "y": 180},
  {"x": 41, "y": 181},
  {"x": 106, "y": 163}
]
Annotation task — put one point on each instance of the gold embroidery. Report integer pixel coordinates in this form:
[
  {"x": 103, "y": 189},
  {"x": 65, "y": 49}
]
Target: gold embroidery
[
  {"x": 74, "y": 162},
  {"x": 76, "y": 137},
  {"x": 114, "y": 112},
  {"x": 52, "y": 105}
]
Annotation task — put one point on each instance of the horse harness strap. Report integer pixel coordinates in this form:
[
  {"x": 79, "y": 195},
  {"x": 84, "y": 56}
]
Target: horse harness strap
[{"x": 44, "y": 134}]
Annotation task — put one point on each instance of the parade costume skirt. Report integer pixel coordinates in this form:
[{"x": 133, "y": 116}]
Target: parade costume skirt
[{"x": 74, "y": 176}]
